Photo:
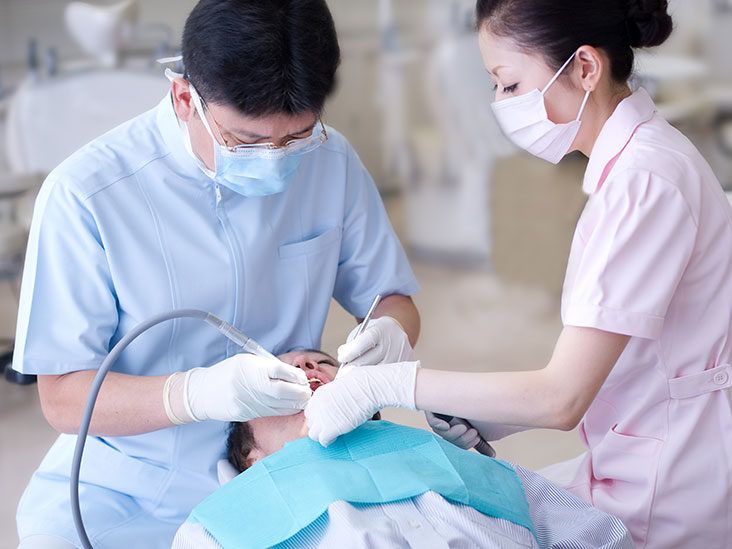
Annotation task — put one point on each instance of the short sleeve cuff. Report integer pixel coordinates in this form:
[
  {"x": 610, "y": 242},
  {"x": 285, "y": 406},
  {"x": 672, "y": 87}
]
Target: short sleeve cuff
[
  {"x": 613, "y": 320},
  {"x": 48, "y": 368}
]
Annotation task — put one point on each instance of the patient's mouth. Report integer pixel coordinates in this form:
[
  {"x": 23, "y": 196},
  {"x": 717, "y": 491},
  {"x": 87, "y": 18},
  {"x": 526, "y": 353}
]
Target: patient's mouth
[{"x": 315, "y": 380}]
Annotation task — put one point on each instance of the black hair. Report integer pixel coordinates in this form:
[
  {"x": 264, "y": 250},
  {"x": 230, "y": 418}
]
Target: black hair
[
  {"x": 262, "y": 57},
  {"x": 557, "y": 28},
  {"x": 239, "y": 445}
]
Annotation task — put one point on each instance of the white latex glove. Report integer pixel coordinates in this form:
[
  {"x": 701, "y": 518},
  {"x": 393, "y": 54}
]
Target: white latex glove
[
  {"x": 457, "y": 431},
  {"x": 245, "y": 387},
  {"x": 382, "y": 342},
  {"x": 344, "y": 404}
]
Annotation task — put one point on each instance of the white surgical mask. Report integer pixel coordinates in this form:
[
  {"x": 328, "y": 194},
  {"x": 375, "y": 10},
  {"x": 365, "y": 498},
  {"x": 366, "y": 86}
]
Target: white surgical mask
[{"x": 525, "y": 121}]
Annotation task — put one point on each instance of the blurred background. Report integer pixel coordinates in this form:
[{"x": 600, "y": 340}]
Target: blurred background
[{"x": 488, "y": 228}]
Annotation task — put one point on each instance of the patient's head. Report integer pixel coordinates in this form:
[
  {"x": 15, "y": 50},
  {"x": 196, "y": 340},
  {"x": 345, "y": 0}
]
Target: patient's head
[
  {"x": 251, "y": 441},
  {"x": 256, "y": 439}
]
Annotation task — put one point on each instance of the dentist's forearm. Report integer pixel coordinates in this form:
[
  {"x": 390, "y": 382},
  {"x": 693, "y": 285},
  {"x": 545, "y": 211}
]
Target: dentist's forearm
[
  {"x": 402, "y": 309},
  {"x": 127, "y": 405}
]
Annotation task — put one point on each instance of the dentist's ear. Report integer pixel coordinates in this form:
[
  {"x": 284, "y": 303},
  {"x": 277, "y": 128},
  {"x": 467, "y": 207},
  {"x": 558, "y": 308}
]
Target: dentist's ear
[
  {"x": 590, "y": 66},
  {"x": 182, "y": 102}
]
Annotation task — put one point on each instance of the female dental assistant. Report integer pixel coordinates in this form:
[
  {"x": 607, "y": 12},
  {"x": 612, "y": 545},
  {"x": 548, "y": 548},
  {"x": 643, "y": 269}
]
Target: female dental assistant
[
  {"x": 190, "y": 206},
  {"x": 643, "y": 362}
]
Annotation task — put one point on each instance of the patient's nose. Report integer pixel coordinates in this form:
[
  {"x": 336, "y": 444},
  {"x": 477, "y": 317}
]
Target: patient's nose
[{"x": 303, "y": 363}]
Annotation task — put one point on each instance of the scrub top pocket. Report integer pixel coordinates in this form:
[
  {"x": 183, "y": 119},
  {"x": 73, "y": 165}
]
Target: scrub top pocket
[
  {"x": 629, "y": 466},
  {"x": 307, "y": 276},
  {"x": 325, "y": 240}
]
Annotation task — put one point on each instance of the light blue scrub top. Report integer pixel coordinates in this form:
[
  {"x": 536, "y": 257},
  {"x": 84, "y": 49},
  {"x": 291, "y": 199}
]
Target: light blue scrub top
[{"x": 129, "y": 227}]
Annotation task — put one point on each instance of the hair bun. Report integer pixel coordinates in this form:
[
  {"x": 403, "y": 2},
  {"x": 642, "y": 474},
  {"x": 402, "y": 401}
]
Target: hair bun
[{"x": 649, "y": 23}]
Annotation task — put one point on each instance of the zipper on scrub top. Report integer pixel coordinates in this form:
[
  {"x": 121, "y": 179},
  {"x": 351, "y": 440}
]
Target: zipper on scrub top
[{"x": 235, "y": 258}]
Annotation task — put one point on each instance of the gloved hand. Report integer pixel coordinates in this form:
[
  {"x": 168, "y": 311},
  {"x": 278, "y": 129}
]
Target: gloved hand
[
  {"x": 344, "y": 404},
  {"x": 458, "y": 431},
  {"x": 382, "y": 342},
  {"x": 241, "y": 388},
  {"x": 461, "y": 433}
]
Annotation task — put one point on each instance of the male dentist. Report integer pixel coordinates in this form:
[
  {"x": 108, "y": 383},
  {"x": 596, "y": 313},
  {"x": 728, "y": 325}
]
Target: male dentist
[{"x": 231, "y": 196}]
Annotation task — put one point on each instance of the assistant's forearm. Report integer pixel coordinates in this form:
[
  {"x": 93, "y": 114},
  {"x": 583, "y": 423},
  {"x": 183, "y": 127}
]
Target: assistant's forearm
[
  {"x": 127, "y": 405},
  {"x": 402, "y": 309},
  {"x": 521, "y": 399},
  {"x": 555, "y": 397}
]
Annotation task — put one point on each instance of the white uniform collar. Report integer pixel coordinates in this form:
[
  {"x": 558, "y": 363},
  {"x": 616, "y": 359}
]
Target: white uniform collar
[{"x": 170, "y": 130}]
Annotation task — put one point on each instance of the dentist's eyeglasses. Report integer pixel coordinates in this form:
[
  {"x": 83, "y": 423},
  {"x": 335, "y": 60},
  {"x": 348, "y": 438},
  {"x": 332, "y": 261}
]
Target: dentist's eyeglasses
[{"x": 297, "y": 146}]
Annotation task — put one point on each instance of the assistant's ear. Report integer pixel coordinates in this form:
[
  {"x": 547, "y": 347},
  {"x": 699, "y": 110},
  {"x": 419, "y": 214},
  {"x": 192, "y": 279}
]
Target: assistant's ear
[
  {"x": 182, "y": 103},
  {"x": 590, "y": 67}
]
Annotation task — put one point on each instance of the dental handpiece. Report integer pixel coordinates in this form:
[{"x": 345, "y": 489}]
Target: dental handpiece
[
  {"x": 483, "y": 446},
  {"x": 240, "y": 338}
]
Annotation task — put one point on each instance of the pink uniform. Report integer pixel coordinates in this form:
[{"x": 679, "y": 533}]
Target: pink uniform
[{"x": 652, "y": 258}]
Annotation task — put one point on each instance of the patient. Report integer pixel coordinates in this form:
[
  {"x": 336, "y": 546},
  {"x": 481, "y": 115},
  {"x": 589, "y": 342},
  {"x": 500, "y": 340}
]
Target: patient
[
  {"x": 271, "y": 433},
  {"x": 403, "y": 487}
]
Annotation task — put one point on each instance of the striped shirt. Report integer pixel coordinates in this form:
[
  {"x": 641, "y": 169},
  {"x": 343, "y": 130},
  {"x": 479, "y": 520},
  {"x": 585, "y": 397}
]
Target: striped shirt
[{"x": 561, "y": 521}]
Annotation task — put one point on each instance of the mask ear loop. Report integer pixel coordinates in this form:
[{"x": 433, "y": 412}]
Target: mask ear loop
[
  {"x": 197, "y": 101},
  {"x": 584, "y": 104},
  {"x": 198, "y": 104},
  {"x": 558, "y": 74},
  {"x": 554, "y": 79}
]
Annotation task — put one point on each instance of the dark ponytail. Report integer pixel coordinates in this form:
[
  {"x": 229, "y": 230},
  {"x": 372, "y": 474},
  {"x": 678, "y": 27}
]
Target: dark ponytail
[{"x": 556, "y": 28}]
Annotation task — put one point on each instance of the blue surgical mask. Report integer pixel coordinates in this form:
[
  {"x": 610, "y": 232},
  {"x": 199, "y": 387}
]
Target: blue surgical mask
[
  {"x": 255, "y": 170},
  {"x": 254, "y": 176}
]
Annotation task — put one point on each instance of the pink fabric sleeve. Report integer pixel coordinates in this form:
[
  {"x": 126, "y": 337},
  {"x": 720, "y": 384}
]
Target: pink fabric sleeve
[{"x": 634, "y": 258}]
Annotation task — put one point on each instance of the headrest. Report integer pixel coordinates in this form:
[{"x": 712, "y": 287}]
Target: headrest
[{"x": 226, "y": 471}]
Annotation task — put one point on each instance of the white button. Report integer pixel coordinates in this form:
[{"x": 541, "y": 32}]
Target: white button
[
  {"x": 720, "y": 378},
  {"x": 415, "y": 524}
]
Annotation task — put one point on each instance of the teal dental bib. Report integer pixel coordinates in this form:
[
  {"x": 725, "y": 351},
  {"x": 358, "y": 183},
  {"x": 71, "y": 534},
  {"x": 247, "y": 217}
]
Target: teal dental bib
[{"x": 379, "y": 462}]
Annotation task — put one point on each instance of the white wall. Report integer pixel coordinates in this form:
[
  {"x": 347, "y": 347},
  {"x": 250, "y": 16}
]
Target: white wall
[
  {"x": 353, "y": 110},
  {"x": 21, "y": 20}
]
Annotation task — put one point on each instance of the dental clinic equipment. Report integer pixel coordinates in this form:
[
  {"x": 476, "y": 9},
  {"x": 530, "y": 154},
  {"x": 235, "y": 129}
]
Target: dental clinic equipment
[
  {"x": 483, "y": 445},
  {"x": 247, "y": 344}
]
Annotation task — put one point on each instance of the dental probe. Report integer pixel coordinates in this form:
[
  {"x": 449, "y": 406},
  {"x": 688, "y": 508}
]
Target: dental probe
[{"x": 367, "y": 318}]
